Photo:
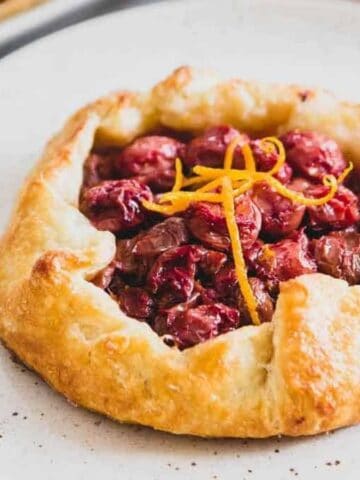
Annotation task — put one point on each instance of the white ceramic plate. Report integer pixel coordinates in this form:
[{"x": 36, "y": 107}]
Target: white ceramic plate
[{"x": 311, "y": 42}]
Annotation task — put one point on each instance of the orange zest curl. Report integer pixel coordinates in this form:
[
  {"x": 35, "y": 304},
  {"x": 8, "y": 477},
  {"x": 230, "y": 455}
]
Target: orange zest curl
[
  {"x": 239, "y": 262},
  {"x": 268, "y": 144},
  {"x": 229, "y": 154},
  {"x": 329, "y": 181},
  {"x": 222, "y": 185},
  {"x": 345, "y": 173},
  {"x": 179, "y": 178}
]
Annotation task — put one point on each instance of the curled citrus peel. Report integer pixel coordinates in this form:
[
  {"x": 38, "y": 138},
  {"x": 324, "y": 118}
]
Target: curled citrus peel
[
  {"x": 179, "y": 177},
  {"x": 222, "y": 185}
]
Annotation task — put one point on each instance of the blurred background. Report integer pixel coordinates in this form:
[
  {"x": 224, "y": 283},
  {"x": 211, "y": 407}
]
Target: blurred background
[{"x": 22, "y": 21}]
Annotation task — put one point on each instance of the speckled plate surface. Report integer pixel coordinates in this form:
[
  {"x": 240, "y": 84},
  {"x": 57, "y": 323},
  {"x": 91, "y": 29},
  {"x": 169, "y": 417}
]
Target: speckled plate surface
[{"x": 311, "y": 42}]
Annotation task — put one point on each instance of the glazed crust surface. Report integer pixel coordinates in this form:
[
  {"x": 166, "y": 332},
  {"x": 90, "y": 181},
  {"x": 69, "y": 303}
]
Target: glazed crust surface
[{"x": 298, "y": 375}]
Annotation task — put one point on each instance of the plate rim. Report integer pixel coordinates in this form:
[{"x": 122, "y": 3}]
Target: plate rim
[{"x": 135, "y": 10}]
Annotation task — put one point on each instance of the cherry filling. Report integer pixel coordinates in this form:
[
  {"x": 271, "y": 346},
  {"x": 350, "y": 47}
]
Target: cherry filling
[{"x": 177, "y": 272}]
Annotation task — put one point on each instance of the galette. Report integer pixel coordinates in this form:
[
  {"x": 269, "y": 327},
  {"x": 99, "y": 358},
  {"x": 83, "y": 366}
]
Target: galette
[{"x": 189, "y": 259}]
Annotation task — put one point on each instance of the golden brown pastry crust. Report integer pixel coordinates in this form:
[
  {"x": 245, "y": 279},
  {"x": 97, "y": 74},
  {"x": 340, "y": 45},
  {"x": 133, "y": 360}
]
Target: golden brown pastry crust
[
  {"x": 298, "y": 375},
  {"x": 13, "y": 7}
]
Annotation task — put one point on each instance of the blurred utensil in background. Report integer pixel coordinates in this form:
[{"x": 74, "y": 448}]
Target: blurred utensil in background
[
  {"x": 51, "y": 16},
  {"x": 9, "y": 8}
]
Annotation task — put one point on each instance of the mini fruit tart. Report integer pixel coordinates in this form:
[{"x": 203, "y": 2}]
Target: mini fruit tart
[{"x": 189, "y": 259}]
